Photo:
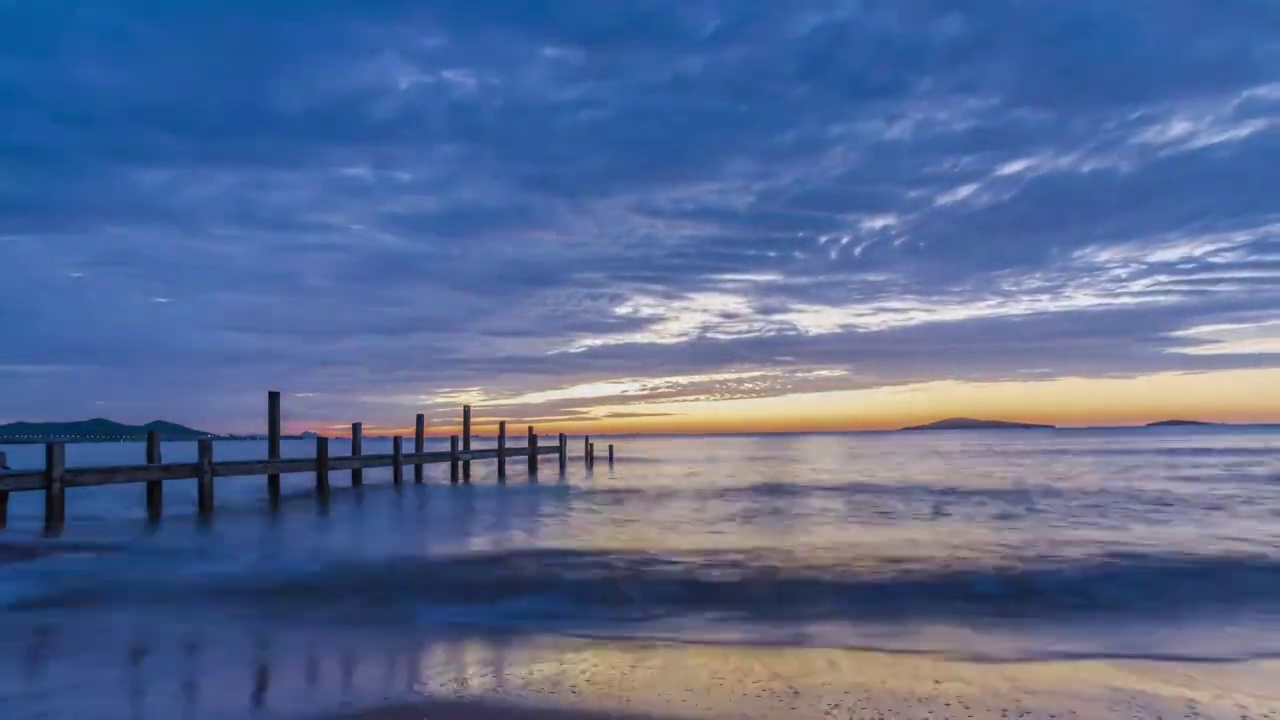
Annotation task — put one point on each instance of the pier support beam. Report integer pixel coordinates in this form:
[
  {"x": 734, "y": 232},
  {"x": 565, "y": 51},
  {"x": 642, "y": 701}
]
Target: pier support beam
[
  {"x": 322, "y": 469},
  {"x": 397, "y": 459},
  {"x": 155, "y": 488},
  {"x": 357, "y": 449},
  {"x": 419, "y": 446},
  {"x": 273, "y": 445},
  {"x": 502, "y": 451},
  {"x": 55, "y": 468},
  {"x": 533, "y": 453},
  {"x": 563, "y": 453},
  {"x": 466, "y": 442},
  {"x": 204, "y": 477},
  {"x": 453, "y": 459}
]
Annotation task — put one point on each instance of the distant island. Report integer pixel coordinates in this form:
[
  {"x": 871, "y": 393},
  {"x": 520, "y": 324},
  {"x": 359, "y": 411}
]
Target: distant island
[
  {"x": 1178, "y": 423},
  {"x": 973, "y": 424},
  {"x": 97, "y": 429}
]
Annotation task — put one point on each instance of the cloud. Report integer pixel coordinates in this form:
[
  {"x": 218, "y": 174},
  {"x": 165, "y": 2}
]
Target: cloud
[{"x": 400, "y": 204}]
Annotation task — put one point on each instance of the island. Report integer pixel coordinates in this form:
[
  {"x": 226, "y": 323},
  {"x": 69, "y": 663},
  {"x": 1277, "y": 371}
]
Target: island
[
  {"x": 974, "y": 424},
  {"x": 1178, "y": 423},
  {"x": 95, "y": 430}
]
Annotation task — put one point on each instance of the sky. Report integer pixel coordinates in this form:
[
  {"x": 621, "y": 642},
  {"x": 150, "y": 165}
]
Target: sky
[{"x": 640, "y": 215}]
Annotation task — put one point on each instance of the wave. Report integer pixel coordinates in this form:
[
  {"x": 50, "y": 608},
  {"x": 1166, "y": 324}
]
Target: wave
[{"x": 594, "y": 587}]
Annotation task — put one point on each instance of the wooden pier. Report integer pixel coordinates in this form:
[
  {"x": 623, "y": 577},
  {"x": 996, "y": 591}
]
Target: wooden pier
[{"x": 56, "y": 477}]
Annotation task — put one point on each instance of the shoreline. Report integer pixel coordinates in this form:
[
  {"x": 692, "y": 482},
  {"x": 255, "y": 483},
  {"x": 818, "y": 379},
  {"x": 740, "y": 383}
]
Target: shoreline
[{"x": 574, "y": 680}]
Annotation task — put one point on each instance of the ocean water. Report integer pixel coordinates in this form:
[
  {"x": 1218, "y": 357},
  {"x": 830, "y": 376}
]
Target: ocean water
[{"x": 1158, "y": 544}]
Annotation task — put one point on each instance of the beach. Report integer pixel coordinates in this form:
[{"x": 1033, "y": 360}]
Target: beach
[
  {"x": 1107, "y": 574},
  {"x": 759, "y": 683}
]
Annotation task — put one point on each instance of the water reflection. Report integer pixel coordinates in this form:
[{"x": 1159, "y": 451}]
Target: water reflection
[{"x": 169, "y": 673}]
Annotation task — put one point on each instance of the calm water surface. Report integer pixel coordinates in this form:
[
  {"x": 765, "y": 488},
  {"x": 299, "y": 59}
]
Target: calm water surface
[{"x": 989, "y": 545}]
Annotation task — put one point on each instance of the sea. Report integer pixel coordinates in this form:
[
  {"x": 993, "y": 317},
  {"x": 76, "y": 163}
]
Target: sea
[{"x": 986, "y": 546}]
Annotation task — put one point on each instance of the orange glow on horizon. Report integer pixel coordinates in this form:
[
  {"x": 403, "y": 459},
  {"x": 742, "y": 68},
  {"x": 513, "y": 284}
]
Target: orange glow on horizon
[{"x": 1229, "y": 396}]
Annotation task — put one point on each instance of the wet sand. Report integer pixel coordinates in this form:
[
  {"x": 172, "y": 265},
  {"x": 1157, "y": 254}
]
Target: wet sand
[
  {"x": 206, "y": 666},
  {"x": 744, "y": 683}
]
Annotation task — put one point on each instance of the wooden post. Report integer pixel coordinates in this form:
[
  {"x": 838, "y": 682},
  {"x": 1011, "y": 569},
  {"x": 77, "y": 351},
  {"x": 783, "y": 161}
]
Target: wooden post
[
  {"x": 4, "y": 495},
  {"x": 357, "y": 449},
  {"x": 591, "y": 455},
  {"x": 466, "y": 441},
  {"x": 397, "y": 459},
  {"x": 502, "y": 451},
  {"x": 55, "y": 469},
  {"x": 204, "y": 477},
  {"x": 564, "y": 453},
  {"x": 586, "y": 449},
  {"x": 610, "y": 454},
  {"x": 273, "y": 445},
  {"x": 419, "y": 446},
  {"x": 155, "y": 488},
  {"x": 453, "y": 459},
  {"x": 322, "y": 469},
  {"x": 533, "y": 452}
]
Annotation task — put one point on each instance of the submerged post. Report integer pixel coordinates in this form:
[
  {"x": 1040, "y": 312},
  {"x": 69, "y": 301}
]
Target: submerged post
[
  {"x": 397, "y": 459},
  {"x": 453, "y": 459},
  {"x": 204, "y": 477},
  {"x": 357, "y": 449},
  {"x": 586, "y": 449},
  {"x": 610, "y": 454},
  {"x": 419, "y": 446},
  {"x": 564, "y": 453},
  {"x": 322, "y": 469},
  {"x": 55, "y": 469},
  {"x": 466, "y": 441},
  {"x": 591, "y": 455},
  {"x": 273, "y": 444},
  {"x": 502, "y": 451},
  {"x": 155, "y": 488}
]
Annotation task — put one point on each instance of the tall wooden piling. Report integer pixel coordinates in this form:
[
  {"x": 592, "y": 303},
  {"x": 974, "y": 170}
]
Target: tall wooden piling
[
  {"x": 419, "y": 446},
  {"x": 397, "y": 459},
  {"x": 453, "y": 459},
  {"x": 533, "y": 452},
  {"x": 273, "y": 444},
  {"x": 466, "y": 441},
  {"x": 322, "y": 469},
  {"x": 563, "y": 453},
  {"x": 55, "y": 497},
  {"x": 610, "y": 454},
  {"x": 502, "y": 451},
  {"x": 586, "y": 449},
  {"x": 155, "y": 488},
  {"x": 591, "y": 454},
  {"x": 204, "y": 477},
  {"x": 4, "y": 495},
  {"x": 357, "y": 449}
]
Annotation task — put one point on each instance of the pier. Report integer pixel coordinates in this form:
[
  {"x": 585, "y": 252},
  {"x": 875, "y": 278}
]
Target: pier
[{"x": 56, "y": 478}]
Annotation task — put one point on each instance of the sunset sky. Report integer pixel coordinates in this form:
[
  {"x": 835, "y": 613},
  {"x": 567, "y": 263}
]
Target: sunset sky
[{"x": 662, "y": 215}]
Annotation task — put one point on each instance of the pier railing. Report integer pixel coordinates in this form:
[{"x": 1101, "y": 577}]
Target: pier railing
[{"x": 56, "y": 477}]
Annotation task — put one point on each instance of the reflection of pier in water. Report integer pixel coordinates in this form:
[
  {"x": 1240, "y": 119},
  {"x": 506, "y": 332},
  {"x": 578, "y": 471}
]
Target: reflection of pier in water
[
  {"x": 204, "y": 675},
  {"x": 183, "y": 658}
]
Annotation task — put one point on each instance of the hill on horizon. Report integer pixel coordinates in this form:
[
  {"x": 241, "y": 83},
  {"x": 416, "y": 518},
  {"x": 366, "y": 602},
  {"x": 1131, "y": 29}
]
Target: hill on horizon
[
  {"x": 96, "y": 428},
  {"x": 961, "y": 423}
]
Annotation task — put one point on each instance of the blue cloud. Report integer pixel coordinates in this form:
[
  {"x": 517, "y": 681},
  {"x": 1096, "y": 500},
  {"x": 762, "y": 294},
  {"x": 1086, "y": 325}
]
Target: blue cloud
[{"x": 400, "y": 199}]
